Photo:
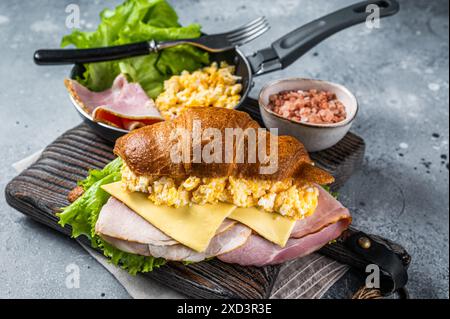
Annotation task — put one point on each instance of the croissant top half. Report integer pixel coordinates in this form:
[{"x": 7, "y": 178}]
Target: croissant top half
[{"x": 147, "y": 151}]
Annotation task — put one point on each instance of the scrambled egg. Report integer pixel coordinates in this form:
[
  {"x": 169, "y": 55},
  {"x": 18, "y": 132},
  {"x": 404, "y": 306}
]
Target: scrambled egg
[
  {"x": 287, "y": 197},
  {"x": 211, "y": 86}
]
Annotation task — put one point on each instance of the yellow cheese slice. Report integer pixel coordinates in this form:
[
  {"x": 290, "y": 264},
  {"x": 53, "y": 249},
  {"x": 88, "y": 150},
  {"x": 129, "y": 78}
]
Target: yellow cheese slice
[
  {"x": 193, "y": 226},
  {"x": 272, "y": 226}
]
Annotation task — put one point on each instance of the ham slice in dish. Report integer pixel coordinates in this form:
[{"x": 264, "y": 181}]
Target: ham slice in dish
[{"x": 124, "y": 105}]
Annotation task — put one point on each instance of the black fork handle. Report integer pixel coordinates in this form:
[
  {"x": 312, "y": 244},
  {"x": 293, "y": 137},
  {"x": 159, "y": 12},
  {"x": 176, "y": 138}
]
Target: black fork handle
[
  {"x": 292, "y": 46},
  {"x": 73, "y": 56}
]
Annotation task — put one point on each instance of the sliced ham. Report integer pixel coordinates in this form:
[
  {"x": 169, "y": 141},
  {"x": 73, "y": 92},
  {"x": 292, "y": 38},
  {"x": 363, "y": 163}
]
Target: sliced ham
[
  {"x": 328, "y": 211},
  {"x": 258, "y": 251},
  {"x": 117, "y": 220},
  {"x": 226, "y": 241},
  {"x": 124, "y": 105},
  {"x": 222, "y": 243},
  {"x": 233, "y": 242},
  {"x": 127, "y": 246},
  {"x": 310, "y": 234},
  {"x": 124, "y": 229}
]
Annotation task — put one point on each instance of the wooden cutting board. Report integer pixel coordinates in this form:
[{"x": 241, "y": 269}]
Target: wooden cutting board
[{"x": 42, "y": 189}]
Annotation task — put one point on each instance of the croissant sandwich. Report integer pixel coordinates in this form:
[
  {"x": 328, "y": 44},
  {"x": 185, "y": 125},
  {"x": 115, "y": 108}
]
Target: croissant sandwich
[{"x": 210, "y": 183}]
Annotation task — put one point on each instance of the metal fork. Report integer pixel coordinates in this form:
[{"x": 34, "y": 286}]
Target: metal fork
[
  {"x": 212, "y": 43},
  {"x": 222, "y": 41}
]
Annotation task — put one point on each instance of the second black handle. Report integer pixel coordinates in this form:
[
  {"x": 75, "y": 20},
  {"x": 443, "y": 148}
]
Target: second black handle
[{"x": 293, "y": 45}]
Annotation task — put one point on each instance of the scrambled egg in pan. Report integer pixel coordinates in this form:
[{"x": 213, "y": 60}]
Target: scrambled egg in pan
[
  {"x": 211, "y": 86},
  {"x": 287, "y": 197}
]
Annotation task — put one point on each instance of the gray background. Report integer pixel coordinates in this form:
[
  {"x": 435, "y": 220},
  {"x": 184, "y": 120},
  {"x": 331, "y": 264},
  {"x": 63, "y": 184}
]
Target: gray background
[{"x": 398, "y": 72}]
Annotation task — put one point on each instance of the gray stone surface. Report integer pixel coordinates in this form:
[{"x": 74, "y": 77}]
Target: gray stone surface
[{"x": 398, "y": 72}]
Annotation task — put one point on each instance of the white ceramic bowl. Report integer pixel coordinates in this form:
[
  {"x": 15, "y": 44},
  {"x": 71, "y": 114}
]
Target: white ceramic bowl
[{"x": 315, "y": 137}]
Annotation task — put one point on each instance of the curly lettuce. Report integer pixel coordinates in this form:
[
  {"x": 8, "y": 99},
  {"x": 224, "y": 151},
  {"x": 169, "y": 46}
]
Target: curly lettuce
[
  {"x": 135, "y": 21},
  {"x": 83, "y": 213}
]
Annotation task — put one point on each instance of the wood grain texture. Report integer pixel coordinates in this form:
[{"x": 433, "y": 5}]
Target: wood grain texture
[{"x": 42, "y": 189}]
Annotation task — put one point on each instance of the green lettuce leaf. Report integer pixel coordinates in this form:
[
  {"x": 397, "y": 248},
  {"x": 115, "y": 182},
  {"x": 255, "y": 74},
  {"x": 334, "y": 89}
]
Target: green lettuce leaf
[
  {"x": 328, "y": 189},
  {"x": 83, "y": 213},
  {"x": 95, "y": 175},
  {"x": 134, "y": 21}
]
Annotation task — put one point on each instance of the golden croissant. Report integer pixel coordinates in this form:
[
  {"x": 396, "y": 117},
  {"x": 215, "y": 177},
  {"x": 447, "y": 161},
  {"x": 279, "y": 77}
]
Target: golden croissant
[{"x": 147, "y": 151}]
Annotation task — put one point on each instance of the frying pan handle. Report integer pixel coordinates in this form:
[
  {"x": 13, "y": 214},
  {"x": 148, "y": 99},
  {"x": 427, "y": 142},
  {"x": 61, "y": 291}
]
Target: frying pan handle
[{"x": 292, "y": 46}]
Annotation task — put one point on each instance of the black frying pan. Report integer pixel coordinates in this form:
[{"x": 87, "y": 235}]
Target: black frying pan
[{"x": 279, "y": 55}]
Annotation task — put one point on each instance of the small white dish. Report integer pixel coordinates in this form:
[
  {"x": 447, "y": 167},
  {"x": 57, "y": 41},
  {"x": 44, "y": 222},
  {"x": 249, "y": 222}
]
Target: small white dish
[{"x": 315, "y": 137}]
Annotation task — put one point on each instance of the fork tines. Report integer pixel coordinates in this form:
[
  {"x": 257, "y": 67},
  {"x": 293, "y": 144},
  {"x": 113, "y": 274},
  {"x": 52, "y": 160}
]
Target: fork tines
[{"x": 248, "y": 32}]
